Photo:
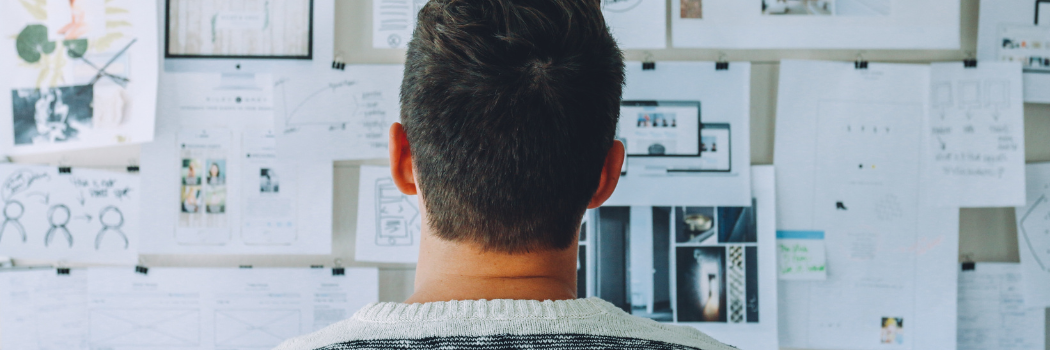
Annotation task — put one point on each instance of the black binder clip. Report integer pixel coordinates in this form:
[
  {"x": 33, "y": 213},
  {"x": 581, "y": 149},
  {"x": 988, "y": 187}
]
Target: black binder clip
[
  {"x": 860, "y": 63},
  {"x": 722, "y": 63},
  {"x": 970, "y": 63},
  {"x": 968, "y": 264},
  {"x": 63, "y": 271},
  {"x": 65, "y": 170},
  {"x": 133, "y": 168},
  {"x": 338, "y": 269},
  {"x": 648, "y": 63},
  {"x": 338, "y": 63},
  {"x": 141, "y": 269}
]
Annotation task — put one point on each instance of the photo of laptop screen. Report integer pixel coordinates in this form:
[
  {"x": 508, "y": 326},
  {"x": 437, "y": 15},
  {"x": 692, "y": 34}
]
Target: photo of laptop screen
[
  {"x": 279, "y": 29},
  {"x": 660, "y": 129}
]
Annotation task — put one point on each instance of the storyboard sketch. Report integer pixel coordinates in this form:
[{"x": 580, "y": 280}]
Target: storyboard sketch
[
  {"x": 73, "y": 215},
  {"x": 637, "y": 24},
  {"x": 685, "y": 126},
  {"x": 1033, "y": 235},
  {"x": 706, "y": 267},
  {"x": 78, "y": 74},
  {"x": 974, "y": 149},
  {"x": 849, "y": 165},
  {"x": 1018, "y": 31},
  {"x": 388, "y": 221},
  {"x": 186, "y": 308},
  {"x": 393, "y": 22},
  {"x": 993, "y": 313},
  {"x": 816, "y": 24},
  {"x": 219, "y": 184},
  {"x": 337, "y": 115}
]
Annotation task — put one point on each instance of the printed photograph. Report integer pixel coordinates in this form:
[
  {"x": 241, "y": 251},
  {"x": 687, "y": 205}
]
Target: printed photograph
[
  {"x": 692, "y": 9},
  {"x": 216, "y": 172},
  {"x": 658, "y": 120},
  {"x": 892, "y": 330},
  {"x": 191, "y": 199},
  {"x": 191, "y": 171},
  {"x": 216, "y": 199},
  {"x": 701, "y": 284},
  {"x": 268, "y": 182},
  {"x": 826, "y": 7},
  {"x": 54, "y": 115},
  {"x": 737, "y": 225},
  {"x": 694, "y": 224}
]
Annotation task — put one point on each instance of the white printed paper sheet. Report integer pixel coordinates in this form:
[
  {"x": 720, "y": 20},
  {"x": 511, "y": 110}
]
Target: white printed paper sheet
[
  {"x": 1018, "y": 31},
  {"x": 188, "y": 308},
  {"x": 637, "y": 24},
  {"x": 388, "y": 221},
  {"x": 712, "y": 127},
  {"x": 337, "y": 115},
  {"x": 801, "y": 256},
  {"x": 992, "y": 310},
  {"x": 1033, "y": 236},
  {"x": 974, "y": 149},
  {"x": 815, "y": 24},
  {"x": 77, "y": 74},
  {"x": 849, "y": 164},
  {"x": 216, "y": 181},
  {"x": 708, "y": 267},
  {"x": 393, "y": 22},
  {"x": 84, "y": 216}
]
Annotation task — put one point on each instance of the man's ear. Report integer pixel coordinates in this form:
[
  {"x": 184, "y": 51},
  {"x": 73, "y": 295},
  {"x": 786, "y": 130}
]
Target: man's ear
[
  {"x": 610, "y": 175},
  {"x": 401, "y": 161}
]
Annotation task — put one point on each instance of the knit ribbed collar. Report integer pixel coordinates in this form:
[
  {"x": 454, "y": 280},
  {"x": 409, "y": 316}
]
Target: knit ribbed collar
[{"x": 485, "y": 310}]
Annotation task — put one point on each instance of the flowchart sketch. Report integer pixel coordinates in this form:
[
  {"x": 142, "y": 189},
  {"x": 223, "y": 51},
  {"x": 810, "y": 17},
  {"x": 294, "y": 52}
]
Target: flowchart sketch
[
  {"x": 337, "y": 115},
  {"x": 69, "y": 214},
  {"x": 974, "y": 149},
  {"x": 77, "y": 74},
  {"x": 255, "y": 328},
  {"x": 1033, "y": 235},
  {"x": 388, "y": 221},
  {"x": 145, "y": 327}
]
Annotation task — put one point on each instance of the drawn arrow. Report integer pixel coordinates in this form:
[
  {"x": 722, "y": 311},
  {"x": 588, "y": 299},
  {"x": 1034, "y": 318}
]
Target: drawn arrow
[
  {"x": 80, "y": 197},
  {"x": 86, "y": 217},
  {"x": 45, "y": 196}
]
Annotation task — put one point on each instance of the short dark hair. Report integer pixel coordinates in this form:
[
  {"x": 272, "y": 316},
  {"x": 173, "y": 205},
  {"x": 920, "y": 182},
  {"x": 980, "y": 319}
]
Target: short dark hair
[{"x": 510, "y": 108}]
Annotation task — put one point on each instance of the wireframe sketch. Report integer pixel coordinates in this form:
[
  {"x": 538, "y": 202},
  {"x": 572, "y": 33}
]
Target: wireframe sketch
[
  {"x": 827, "y": 7},
  {"x": 397, "y": 218},
  {"x": 145, "y": 327},
  {"x": 51, "y": 115},
  {"x": 112, "y": 220},
  {"x": 261, "y": 28},
  {"x": 255, "y": 328},
  {"x": 997, "y": 94},
  {"x": 395, "y": 20},
  {"x": 942, "y": 95},
  {"x": 969, "y": 94},
  {"x": 58, "y": 216},
  {"x": 1035, "y": 232}
]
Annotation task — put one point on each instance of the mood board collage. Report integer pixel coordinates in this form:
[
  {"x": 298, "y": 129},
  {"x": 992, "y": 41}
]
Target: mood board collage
[{"x": 849, "y": 240}]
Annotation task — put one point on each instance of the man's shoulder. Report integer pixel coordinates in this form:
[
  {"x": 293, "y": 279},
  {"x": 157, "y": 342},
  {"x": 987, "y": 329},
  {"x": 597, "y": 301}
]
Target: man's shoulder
[{"x": 610, "y": 328}]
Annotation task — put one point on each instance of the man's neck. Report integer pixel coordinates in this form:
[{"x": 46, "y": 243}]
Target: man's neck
[{"x": 462, "y": 271}]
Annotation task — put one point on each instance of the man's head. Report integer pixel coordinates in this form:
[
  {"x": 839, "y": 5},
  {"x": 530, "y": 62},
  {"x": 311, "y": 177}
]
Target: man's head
[{"x": 509, "y": 109}]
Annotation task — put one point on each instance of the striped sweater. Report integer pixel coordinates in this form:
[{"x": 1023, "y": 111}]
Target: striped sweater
[{"x": 501, "y": 324}]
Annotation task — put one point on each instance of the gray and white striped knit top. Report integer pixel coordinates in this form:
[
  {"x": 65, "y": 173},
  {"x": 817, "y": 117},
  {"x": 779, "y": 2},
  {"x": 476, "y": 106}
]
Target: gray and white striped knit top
[{"x": 501, "y": 324}]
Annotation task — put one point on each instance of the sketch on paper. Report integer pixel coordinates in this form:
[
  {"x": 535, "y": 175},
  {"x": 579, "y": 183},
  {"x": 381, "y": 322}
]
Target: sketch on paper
[
  {"x": 257, "y": 28},
  {"x": 398, "y": 218},
  {"x": 620, "y": 5},
  {"x": 78, "y": 68},
  {"x": 255, "y": 327},
  {"x": 826, "y": 7},
  {"x": 1035, "y": 232},
  {"x": 76, "y": 215},
  {"x": 145, "y": 327},
  {"x": 393, "y": 22}
]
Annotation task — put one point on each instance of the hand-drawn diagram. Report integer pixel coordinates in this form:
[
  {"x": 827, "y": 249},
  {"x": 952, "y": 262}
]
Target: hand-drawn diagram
[
  {"x": 397, "y": 218},
  {"x": 1035, "y": 230},
  {"x": 54, "y": 211},
  {"x": 255, "y": 328},
  {"x": 58, "y": 216},
  {"x": 337, "y": 106},
  {"x": 145, "y": 327},
  {"x": 112, "y": 220}
]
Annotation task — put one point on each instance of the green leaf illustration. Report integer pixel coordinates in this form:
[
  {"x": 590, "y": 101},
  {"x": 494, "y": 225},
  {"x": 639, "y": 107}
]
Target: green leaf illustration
[
  {"x": 32, "y": 42},
  {"x": 76, "y": 48}
]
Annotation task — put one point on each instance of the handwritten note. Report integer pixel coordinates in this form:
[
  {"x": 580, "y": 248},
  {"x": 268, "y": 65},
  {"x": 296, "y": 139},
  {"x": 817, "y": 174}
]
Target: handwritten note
[
  {"x": 975, "y": 136},
  {"x": 801, "y": 256}
]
